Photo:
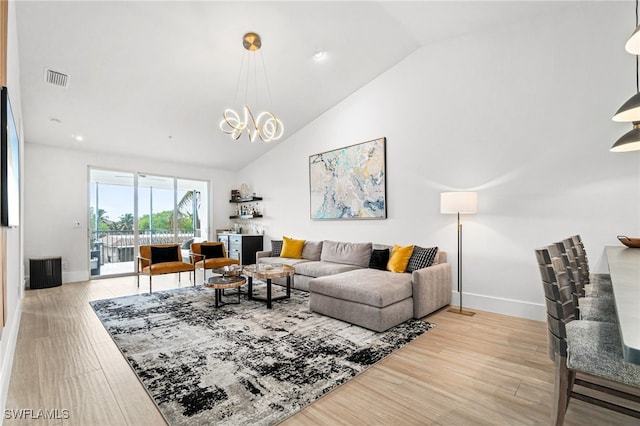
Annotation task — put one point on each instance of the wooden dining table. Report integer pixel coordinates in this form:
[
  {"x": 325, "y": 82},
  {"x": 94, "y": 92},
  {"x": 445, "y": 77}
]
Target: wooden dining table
[{"x": 624, "y": 267}]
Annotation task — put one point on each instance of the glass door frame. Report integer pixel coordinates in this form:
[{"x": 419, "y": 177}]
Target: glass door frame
[{"x": 205, "y": 203}]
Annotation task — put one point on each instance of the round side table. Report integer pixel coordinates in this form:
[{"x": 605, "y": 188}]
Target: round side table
[{"x": 220, "y": 283}]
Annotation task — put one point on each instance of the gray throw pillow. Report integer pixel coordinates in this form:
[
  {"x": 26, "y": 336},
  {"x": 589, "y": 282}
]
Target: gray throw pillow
[
  {"x": 276, "y": 248},
  {"x": 421, "y": 258}
]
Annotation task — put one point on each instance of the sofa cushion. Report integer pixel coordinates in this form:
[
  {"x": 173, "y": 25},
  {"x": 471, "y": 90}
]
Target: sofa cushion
[
  {"x": 312, "y": 250},
  {"x": 292, "y": 248},
  {"x": 276, "y": 248},
  {"x": 367, "y": 286},
  {"x": 399, "y": 258},
  {"x": 421, "y": 258},
  {"x": 379, "y": 259},
  {"x": 357, "y": 254},
  {"x": 282, "y": 260},
  {"x": 321, "y": 268}
]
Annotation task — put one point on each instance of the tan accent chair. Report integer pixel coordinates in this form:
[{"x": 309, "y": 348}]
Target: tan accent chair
[
  {"x": 201, "y": 261},
  {"x": 170, "y": 262}
]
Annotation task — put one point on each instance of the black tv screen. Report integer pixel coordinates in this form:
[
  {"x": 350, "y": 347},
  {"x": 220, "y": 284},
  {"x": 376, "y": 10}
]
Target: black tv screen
[{"x": 10, "y": 165}]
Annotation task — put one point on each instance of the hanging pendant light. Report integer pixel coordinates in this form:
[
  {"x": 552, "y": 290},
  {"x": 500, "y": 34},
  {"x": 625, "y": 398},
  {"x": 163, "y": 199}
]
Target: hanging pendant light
[
  {"x": 633, "y": 44},
  {"x": 630, "y": 141},
  {"x": 265, "y": 125},
  {"x": 630, "y": 110}
]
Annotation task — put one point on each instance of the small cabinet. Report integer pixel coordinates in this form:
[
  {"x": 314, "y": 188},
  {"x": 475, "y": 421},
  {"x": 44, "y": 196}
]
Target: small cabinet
[{"x": 242, "y": 247}]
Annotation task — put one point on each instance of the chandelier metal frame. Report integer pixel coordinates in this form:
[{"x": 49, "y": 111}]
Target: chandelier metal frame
[{"x": 265, "y": 125}]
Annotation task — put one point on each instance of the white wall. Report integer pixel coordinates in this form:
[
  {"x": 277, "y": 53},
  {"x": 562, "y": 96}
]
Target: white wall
[
  {"x": 15, "y": 273},
  {"x": 520, "y": 114},
  {"x": 56, "y": 195}
]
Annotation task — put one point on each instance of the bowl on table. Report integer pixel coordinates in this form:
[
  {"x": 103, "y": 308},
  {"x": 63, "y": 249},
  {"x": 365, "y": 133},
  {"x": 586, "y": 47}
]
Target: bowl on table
[{"x": 629, "y": 242}]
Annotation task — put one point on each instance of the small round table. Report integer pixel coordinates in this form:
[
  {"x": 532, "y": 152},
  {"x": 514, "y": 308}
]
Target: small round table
[
  {"x": 268, "y": 272},
  {"x": 220, "y": 283}
]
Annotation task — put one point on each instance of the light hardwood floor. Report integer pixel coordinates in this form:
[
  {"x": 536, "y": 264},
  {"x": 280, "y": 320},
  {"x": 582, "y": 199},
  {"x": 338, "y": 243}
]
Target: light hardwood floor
[{"x": 488, "y": 369}]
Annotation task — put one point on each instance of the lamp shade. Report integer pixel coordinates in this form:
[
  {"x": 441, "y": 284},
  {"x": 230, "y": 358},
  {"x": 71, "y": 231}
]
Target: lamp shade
[
  {"x": 459, "y": 202},
  {"x": 630, "y": 141},
  {"x": 633, "y": 44},
  {"x": 629, "y": 111}
]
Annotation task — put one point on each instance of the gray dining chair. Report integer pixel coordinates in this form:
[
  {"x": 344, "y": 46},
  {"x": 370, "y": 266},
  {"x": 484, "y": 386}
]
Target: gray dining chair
[
  {"x": 598, "y": 280},
  {"x": 587, "y": 354},
  {"x": 587, "y": 307},
  {"x": 592, "y": 286}
]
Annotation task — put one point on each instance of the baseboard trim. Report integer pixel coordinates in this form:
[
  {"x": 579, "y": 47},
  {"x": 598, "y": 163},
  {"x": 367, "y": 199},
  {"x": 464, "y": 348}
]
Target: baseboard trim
[
  {"x": 67, "y": 277},
  {"x": 7, "y": 357},
  {"x": 500, "y": 305}
]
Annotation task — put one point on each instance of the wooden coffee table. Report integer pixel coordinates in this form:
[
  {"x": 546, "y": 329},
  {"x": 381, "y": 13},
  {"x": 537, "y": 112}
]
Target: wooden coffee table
[
  {"x": 221, "y": 283},
  {"x": 268, "y": 272}
]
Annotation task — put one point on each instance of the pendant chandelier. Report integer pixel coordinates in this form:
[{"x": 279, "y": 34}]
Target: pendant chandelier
[
  {"x": 630, "y": 110},
  {"x": 265, "y": 125}
]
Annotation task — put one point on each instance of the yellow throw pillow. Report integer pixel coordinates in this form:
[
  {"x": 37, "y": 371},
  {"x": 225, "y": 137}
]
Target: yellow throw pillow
[
  {"x": 292, "y": 248},
  {"x": 399, "y": 258}
]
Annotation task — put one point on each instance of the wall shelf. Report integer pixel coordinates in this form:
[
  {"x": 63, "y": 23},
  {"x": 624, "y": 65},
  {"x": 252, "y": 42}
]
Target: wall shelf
[
  {"x": 245, "y": 216},
  {"x": 246, "y": 200}
]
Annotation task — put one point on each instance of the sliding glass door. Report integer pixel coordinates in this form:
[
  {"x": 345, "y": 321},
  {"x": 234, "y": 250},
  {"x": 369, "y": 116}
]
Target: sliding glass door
[
  {"x": 111, "y": 224},
  {"x": 168, "y": 210}
]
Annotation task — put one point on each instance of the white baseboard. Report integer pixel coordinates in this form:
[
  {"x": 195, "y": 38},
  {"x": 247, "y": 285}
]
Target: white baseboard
[
  {"x": 7, "y": 358},
  {"x": 499, "y": 305},
  {"x": 74, "y": 276},
  {"x": 67, "y": 277}
]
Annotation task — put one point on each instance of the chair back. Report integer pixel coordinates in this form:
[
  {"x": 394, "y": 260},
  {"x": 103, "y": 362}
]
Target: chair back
[
  {"x": 557, "y": 250},
  {"x": 575, "y": 244},
  {"x": 145, "y": 252},
  {"x": 558, "y": 299}
]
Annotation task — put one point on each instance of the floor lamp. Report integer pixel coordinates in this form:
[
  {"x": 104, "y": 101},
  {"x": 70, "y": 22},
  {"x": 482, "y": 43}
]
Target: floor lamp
[{"x": 459, "y": 203}]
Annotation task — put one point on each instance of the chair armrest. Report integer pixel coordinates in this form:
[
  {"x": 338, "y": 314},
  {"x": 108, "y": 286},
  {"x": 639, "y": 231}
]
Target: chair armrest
[
  {"x": 196, "y": 255},
  {"x": 431, "y": 289},
  {"x": 140, "y": 259},
  {"x": 264, "y": 253}
]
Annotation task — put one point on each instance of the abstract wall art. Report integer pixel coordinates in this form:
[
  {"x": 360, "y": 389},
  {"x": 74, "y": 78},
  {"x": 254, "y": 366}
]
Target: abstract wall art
[{"x": 349, "y": 182}]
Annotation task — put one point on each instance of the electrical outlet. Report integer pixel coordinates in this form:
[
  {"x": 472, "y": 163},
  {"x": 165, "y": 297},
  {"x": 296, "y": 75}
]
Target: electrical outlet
[{"x": 64, "y": 265}]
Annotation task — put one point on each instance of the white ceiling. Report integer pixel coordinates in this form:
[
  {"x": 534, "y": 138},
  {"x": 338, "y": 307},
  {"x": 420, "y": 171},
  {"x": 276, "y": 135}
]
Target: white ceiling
[{"x": 152, "y": 78}]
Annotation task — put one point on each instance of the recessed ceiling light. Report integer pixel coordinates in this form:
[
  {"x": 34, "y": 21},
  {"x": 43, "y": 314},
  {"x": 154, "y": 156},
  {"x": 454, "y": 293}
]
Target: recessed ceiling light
[
  {"x": 320, "y": 55},
  {"x": 79, "y": 138}
]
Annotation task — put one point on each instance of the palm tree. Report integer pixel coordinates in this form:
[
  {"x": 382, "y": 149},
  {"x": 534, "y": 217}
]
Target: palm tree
[{"x": 188, "y": 206}]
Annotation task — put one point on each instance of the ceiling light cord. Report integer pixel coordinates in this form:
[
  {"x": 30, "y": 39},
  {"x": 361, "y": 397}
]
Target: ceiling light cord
[
  {"x": 266, "y": 78},
  {"x": 637, "y": 57}
]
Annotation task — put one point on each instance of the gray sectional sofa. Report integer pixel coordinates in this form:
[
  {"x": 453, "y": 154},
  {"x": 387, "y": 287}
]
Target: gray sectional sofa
[{"x": 342, "y": 286}]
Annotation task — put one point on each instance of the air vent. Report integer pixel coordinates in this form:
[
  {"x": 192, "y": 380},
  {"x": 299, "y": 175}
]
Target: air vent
[{"x": 56, "y": 78}]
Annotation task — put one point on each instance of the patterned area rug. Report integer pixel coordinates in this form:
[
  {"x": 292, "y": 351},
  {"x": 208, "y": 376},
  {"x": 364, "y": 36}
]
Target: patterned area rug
[{"x": 239, "y": 364}]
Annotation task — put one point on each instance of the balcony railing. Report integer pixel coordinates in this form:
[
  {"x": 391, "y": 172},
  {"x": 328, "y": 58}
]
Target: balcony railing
[{"x": 118, "y": 246}]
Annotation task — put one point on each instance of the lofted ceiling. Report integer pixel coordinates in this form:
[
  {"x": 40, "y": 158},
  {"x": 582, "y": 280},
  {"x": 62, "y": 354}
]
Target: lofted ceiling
[{"x": 151, "y": 79}]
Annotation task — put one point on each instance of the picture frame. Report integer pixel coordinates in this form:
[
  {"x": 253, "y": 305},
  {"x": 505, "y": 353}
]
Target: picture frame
[
  {"x": 9, "y": 165},
  {"x": 349, "y": 183}
]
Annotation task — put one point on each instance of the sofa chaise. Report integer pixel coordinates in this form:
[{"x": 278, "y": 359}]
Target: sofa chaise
[{"x": 342, "y": 285}]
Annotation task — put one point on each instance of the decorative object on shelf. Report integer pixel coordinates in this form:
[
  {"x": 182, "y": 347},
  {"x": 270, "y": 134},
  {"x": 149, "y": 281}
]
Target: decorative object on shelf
[
  {"x": 629, "y": 242},
  {"x": 235, "y": 195},
  {"x": 459, "y": 203},
  {"x": 244, "y": 190},
  {"x": 349, "y": 182},
  {"x": 630, "y": 110},
  {"x": 266, "y": 126}
]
